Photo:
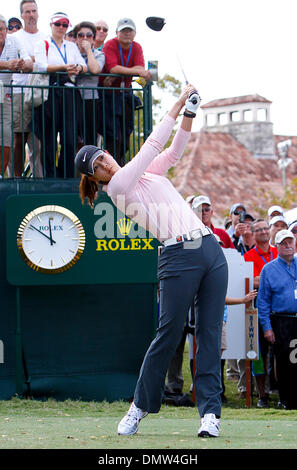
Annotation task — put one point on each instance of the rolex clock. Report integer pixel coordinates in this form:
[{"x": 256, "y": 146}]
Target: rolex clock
[{"x": 51, "y": 239}]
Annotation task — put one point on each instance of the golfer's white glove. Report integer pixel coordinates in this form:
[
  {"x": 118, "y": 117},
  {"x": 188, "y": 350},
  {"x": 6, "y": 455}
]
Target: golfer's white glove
[{"x": 193, "y": 101}]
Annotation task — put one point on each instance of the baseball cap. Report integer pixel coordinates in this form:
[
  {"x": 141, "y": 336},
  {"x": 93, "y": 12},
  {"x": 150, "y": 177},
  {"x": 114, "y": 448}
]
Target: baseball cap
[
  {"x": 282, "y": 234},
  {"x": 200, "y": 200},
  {"x": 235, "y": 206},
  {"x": 277, "y": 218},
  {"x": 275, "y": 209},
  {"x": 125, "y": 23},
  {"x": 14, "y": 20},
  {"x": 85, "y": 158},
  {"x": 60, "y": 16}
]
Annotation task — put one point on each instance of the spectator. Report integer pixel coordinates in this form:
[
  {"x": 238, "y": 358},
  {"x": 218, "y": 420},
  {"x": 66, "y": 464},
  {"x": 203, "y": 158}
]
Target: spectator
[
  {"x": 85, "y": 33},
  {"x": 29, "y": 36},
  {"x": 101, "y": 34},
  {"x": 235, "y": 369},
  {"x": 277, "y": 307},
  {"x": 203, "y": 208},
  {"x": 293, "y": 229},
  {"x": 276, "y": 224},
  {"x": 70, "y": 36},
  {"x": 13, "y": 58},
  {"x": 59, "y": 56},
  {"x": 273, "y": 211},
  {"x": 123, "y": 56},
  {"x": 237, "y": 227},
  {"x": 260, "y": 255},
  {"x": 14, "y": 25},
  {"x": 247, "y": 240}
]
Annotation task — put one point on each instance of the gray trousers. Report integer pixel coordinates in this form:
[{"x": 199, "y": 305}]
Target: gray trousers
[{"x": 184, "y": 272}]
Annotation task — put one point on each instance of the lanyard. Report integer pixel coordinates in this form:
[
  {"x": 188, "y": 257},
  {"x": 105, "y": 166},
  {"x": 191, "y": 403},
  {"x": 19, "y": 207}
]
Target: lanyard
[
  {"x": 122, "y": 57},
  {"x": 287, "y": 269},
  {"x": 64, "y": 57},
  {"x": 265, "y": 261}
]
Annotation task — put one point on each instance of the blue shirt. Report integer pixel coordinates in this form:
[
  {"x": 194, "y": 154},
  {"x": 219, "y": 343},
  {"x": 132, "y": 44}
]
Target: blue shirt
[{"x": 278, "y": 283}]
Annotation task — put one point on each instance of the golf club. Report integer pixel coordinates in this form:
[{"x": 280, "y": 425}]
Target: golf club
[{"x": 156, "y": 24}]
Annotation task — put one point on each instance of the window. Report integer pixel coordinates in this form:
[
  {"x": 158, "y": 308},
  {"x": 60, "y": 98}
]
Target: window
[
  {"x": 223, "y": 118},
  {"x": 261, "y": 114},
  {"x": 247, "y": 115},
  {"x": 235, "y": 116}
]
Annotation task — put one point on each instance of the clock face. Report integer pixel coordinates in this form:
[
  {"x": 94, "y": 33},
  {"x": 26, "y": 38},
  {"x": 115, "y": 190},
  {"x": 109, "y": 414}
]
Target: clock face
[{"x": 51, "y": 239}]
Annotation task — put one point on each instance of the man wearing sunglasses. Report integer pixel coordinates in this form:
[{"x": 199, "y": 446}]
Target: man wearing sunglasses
[
  {"x": 14, "y": 25},
  {"x": 203, "y": 208},
  {"x": 29, "y": 36}
]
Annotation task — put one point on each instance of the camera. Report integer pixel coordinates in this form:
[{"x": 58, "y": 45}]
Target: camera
[{"x": 242, "y": 217}]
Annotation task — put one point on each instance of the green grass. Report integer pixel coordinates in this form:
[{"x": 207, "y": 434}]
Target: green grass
[{"x": 33, "y": 424}]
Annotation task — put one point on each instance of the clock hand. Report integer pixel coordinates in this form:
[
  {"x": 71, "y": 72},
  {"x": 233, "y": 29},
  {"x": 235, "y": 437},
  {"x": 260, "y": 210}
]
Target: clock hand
[
  {"x": 50, "y": 229},
  {"x": 51, "y": 240}
]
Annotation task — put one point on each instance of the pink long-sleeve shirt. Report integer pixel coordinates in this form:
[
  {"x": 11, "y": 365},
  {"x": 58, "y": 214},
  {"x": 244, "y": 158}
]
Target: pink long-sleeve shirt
[{"x": 144, "y": 194}]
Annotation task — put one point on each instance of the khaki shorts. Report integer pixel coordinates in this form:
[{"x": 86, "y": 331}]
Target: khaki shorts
[
  {"x": 21, "y": 114},
  {"x": 224, "y": 336},
  {"x": 5, "y": 122}
]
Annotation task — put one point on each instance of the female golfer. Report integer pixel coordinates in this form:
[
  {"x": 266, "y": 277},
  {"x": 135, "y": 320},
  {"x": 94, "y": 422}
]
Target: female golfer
[{"x": 191, "y": 262}]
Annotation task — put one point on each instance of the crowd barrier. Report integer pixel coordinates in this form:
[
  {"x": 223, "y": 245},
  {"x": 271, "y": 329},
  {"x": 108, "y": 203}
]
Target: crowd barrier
[{"x": 48, "y": 122}]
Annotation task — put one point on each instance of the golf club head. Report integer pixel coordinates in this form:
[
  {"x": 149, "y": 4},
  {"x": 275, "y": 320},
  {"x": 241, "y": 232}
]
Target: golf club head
[{"x": 155, "y": 23}]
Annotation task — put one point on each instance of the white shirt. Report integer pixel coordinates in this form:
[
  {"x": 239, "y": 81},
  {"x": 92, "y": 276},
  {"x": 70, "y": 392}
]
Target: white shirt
[
  {"x": 13, "y": 49},
  {"x": 69, "y": 54},
  {"x": 28, "y": 41}
]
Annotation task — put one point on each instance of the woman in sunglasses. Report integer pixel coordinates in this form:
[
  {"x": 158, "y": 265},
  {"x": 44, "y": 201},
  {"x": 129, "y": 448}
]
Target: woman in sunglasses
[
  {"x": 84, "y": 34},
  {"x": 59, "y": 112}
]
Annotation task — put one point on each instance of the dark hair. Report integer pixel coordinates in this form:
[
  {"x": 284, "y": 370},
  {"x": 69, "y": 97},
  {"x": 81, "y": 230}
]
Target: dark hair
[
  {"x": 89, "y": 189},
  {"x": 84, "y": 24},
  {"x": 26, "y": 1}
]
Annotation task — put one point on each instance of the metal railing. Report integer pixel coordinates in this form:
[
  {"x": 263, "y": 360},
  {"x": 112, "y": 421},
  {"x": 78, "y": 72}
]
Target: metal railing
[{"x": 44, "y": 139}]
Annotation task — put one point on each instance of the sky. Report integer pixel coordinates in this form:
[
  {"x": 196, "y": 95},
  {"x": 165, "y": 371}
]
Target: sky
[{"x": 226, "y": 47}]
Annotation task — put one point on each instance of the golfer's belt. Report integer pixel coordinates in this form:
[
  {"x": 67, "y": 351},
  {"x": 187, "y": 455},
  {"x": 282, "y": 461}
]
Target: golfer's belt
[{"x": 193, "y": 235}]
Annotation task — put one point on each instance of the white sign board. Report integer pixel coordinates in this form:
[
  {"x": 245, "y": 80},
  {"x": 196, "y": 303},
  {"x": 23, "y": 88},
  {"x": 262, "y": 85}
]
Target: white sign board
[{"x": 239, "y": 270}]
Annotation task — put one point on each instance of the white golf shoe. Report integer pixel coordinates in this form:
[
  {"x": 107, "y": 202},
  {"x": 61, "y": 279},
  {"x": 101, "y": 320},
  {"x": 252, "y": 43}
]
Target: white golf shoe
[
  {"x": 129, "y": 424},
  {"x": 210, "y": 426}
]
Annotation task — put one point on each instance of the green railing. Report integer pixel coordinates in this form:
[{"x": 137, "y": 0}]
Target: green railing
[{"x": 49, "y": 135}]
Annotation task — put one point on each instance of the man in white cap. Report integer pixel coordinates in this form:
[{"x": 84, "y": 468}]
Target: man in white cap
[
  {"x": 277, "y": 307},
  {"x": 274, "y": 211},
  {"x": 276, "y": 224},
  {"x": 123, "y": 56},
  {"x": 203, "y": 208}
]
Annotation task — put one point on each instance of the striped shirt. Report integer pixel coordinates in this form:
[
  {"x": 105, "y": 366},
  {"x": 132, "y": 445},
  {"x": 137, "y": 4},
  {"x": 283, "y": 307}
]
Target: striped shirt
[{"x": 13, "y": 49}]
